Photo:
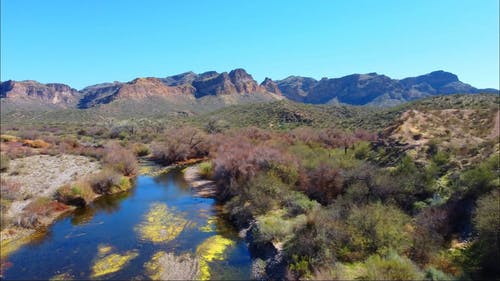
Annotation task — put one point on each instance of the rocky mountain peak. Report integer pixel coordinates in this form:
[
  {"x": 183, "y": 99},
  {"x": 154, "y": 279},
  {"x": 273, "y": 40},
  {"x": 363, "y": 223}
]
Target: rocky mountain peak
[{"x": 269, "y": 85}]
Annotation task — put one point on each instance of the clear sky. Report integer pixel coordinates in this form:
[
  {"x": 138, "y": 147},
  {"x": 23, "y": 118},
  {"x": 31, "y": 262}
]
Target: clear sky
[{"x": 92, "y": 41}]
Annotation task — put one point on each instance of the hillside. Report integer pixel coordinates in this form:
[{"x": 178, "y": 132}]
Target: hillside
[
  {"x": 198, "y": 92},
  {"x": 373, "y": 88}
]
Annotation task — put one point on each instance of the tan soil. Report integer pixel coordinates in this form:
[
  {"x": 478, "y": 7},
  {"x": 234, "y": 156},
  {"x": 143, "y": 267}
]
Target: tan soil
[{"x": 203, "y": 187}]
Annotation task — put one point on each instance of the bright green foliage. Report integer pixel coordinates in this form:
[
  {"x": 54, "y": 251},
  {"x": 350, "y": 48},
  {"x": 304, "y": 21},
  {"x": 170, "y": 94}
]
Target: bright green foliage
[
  {"x": 483, "y": 178},
  {"x": 274, "y": 227},
  {"x": 376, "y": 228},
  {"x": 206, "y": 169},
  {"x": 392, "y": 267}
]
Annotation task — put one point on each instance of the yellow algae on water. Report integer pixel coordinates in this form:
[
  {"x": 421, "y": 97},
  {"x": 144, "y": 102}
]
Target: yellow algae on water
[
  {"x": 153, "y": 266},
  {"x": 112, "y": 263},
  {"x": 103, "y": 249},
  {"x": 12, "y": 244},
  {"x": 210, "y": 250},
  {"x": 161, "y": 224},
  {"x": 210, "y": 226}
]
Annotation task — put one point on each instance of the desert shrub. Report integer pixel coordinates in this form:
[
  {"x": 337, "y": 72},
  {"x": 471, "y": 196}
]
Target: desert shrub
[
  {"x": 4, "y": 162},
  {"x": 431, "y": 226},
  {"x": 300, "y": 267},
  {"x": 70, "y": 193},
  {"x": 483, "y": 178},
  {"x": 238, "y": 211},
  {"x": 180, "y": 144},
  {"x": 297, "y": 203},
  {"x": 357, "y": 192},
  {"x": 392, "y": 267},
  {"x": 34, "y": 211},
  {"x": 206, "y": 169},
  {"x": 264, "y": 192},
  {"x": 10, "y": 190},
  {"x": 324, "y": 184},
  {"x": 38, "y": 143},
  {"x": 141, "y": 149},
  {"x": 214, "y": 126},
  {"x": 120, "y": 159},
  {"x": 304, "y": 135},
  {"x": 487, "y": 224},
  {"x": 8, "y": 138},
  {"x": 334, "y": 138},
  {"x": 28, "y": 134},
  {"x": 104, "y": 181},
  {"x": 15, "y": 150},
  {"x": 376, "y": 228},
  {"x": 274, "y": 227},
  {"x": 237, "y": 161},
  {"x": 362, "y": 150},
  {"x": 321, "y": 239}
]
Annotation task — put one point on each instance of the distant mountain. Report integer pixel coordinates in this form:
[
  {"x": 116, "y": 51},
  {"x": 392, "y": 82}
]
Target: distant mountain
[
  {"x": 237, "y": 86},
  {"x": 31, "y": 94},
  {"x": 373, "y": 88}
]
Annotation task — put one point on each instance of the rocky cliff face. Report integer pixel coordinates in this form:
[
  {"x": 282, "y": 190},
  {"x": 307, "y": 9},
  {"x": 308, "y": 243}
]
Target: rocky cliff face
[
  {"x": 31, "y": 91},
  {"x": 271, "y": 86},
  {"x": 188, "y": 85},
  {"x": 238, "y": 85},
  {"x": 373, "y": 89},
  {"x": 237, "y": 81}
]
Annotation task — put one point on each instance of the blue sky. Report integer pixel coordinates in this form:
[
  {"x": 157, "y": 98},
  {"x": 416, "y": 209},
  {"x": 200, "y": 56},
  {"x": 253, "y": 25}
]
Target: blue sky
[{"x": 87, "y": 42}]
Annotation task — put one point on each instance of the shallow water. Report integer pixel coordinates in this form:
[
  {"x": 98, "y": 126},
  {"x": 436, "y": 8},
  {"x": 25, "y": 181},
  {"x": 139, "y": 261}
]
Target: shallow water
[{"x": 116, "y": 225}]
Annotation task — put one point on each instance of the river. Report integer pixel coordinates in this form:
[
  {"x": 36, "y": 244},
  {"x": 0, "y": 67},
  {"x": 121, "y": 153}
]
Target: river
[{"x": 128, "y": 229}]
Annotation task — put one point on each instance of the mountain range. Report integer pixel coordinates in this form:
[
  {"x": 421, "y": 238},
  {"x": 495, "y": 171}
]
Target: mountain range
[{"x": 235, "y": 87}]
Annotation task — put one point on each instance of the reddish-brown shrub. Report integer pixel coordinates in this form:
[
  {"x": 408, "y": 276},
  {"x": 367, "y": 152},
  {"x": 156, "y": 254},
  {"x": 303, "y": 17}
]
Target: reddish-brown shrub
[
  {"x": 104, "y": 181},
  {"x": 120, "y": 159},
  {"x": 323, "y": 184},
  {"x": 181, "y": 144}
]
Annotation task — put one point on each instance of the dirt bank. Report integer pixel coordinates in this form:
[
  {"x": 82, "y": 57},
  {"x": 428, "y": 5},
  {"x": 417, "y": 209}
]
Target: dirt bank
[{"x": 202, "y": 187}]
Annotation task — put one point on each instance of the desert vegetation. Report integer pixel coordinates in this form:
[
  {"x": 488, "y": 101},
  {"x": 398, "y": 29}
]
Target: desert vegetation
[{"x": 340, "y": 192}]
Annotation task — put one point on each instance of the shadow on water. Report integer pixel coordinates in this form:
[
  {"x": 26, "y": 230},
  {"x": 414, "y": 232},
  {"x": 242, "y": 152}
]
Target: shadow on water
[{"x": 111, "y": 227}]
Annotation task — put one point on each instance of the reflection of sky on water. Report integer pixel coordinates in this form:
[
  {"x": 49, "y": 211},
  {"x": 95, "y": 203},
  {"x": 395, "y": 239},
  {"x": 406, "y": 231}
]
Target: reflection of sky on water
[{"x": 71, "y": 244}]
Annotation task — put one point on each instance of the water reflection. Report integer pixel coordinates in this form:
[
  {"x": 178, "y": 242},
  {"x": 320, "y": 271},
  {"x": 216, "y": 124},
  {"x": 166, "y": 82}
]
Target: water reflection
[{"x": 88, "y": 241}]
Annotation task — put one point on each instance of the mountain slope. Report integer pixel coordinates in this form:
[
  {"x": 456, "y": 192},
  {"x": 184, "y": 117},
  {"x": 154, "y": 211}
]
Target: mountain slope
[
  {"x": 373, "y": 89},
  {"x": 32, "y": 94},
  {"x": 191, "y": 91}
]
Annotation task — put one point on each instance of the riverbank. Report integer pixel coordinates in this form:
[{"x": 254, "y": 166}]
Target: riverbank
[
  {"x": 31, "y": 195},
  {"x": 267, "y": 258}
]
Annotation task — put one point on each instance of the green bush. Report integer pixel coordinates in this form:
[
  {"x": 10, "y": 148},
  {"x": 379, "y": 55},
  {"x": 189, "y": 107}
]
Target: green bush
[
  {"x": 392, "y": 267},
  {"x": 141, "y": 149},
  {"x": 298, "y": 203},
  {"x": 206, "y": 169},
  {"x": 273, "y": 227},
  {"x": 483, "y": 178},
  {"x": 376, "y": 228},
  {"x": 487, "y": 223}
]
